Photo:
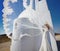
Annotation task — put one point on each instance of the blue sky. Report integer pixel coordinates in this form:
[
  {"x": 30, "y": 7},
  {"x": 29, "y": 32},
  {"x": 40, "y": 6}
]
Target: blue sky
[{"x": 54, "y": 7}]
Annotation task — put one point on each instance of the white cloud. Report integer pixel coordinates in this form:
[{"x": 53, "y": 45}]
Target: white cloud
[
  {"x": 13, "y": 1},
  {"x": 7, "y": 11}
]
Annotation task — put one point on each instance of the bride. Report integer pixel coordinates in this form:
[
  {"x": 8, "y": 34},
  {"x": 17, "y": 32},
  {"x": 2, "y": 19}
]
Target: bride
[{"x": 33, "y": 30}]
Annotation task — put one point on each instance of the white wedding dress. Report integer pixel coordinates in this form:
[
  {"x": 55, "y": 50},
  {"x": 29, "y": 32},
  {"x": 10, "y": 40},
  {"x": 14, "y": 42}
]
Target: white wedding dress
[{"x": 29, "y": 33}]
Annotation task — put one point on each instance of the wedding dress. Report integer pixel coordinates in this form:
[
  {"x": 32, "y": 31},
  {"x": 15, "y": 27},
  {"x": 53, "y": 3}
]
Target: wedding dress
[{"x": 29, "y": 32}]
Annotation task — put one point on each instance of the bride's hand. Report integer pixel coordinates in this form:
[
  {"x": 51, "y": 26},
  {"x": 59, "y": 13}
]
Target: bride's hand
[{"x": 47, "y": 25}]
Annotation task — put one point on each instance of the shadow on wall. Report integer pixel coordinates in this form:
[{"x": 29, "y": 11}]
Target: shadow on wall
[{"x": 58, "y": 44}]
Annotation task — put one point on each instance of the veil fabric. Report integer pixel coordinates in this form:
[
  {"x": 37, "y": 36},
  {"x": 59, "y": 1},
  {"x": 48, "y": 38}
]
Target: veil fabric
[{"x": 29, "y": 30}]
